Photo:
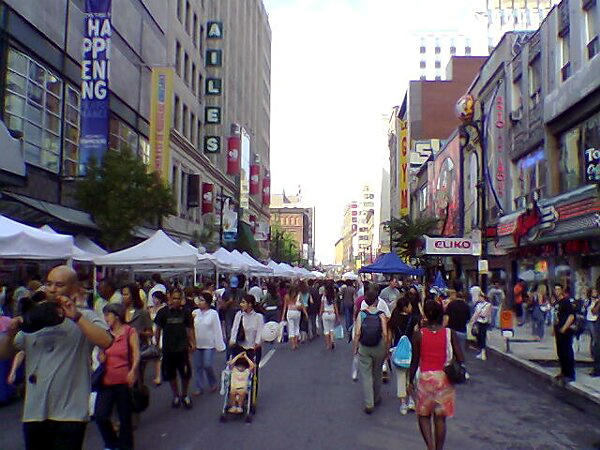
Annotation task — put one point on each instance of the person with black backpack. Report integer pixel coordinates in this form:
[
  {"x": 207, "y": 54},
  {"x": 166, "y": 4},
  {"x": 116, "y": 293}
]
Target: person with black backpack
[{"x": 371, "y": 344}]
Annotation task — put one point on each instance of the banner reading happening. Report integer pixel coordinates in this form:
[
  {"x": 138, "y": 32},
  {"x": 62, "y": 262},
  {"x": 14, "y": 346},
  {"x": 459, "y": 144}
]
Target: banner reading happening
[
  {"x": 403, "y": 170},
  {"x": 160, "y": 120},
  {"x": 95, "y": 113}
]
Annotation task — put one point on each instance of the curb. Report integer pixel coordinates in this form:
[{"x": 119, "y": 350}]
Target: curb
[{"x": 573, "y": 388}]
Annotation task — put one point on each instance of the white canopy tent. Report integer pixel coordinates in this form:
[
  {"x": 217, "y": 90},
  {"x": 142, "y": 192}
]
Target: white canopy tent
[
  {"x": 254, "y": 267},
  {"x": 21, "y": 241},
  {"x": 228, "y": 261},
  {"x": 278, "y": 271},
  {"x": 349, "y": 276},
  {"x": 159, "y": 250},
  {"x": 318, "y": 274},
  {"x": 84, "y": 249},
  {"x": 265, "y": 270},
  {"x": 206, "y": 262}
]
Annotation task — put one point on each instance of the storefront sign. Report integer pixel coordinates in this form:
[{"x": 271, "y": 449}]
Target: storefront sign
[
  {"x": 592, "y": 165},
  {"x": 403, "y": 170},
  {"x": 212, "y": 144},
  {"x": 212, "y": 115},
  {"x": 207, "y": 198},
  {"x": 95, "y": 112},
  {"x": 254, "y": 179},
  {"x": 500, "y": 171},
  {"x": 160, "y": 120},
  {"x": 214, "y": 86},
  {"x": 214, "y": 30},
  {"x": 448, "y": 246},
  {"x": 233, "y": 155}
]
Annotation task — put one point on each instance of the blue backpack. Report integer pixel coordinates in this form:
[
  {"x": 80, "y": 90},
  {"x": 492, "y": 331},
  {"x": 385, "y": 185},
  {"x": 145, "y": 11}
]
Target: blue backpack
[{"x": 402, "y": 355}]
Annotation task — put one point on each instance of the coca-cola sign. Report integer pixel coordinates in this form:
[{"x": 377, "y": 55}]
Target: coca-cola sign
[{"x": 448, "y": 246}]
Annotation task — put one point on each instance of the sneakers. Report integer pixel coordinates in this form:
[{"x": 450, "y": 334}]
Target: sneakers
[
  {"x": 187, "y": 402},
  {"x": 176, "y": 403},
  {"x": 411, "y": 405},
  {"x": 368, "y": 410},
  {"x": 403, "y": 409},
  {"x": 355, "y": 375},
  {"x": 482, "y": 356}
]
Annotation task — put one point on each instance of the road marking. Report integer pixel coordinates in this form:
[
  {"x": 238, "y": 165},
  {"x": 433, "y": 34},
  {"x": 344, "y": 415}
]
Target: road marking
[{"x": 265, "y": 360}]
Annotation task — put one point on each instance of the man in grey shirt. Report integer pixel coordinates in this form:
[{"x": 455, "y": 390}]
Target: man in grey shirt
[
  {"x": 391, "y": 293},
  {"x": 57, "y": 359}
]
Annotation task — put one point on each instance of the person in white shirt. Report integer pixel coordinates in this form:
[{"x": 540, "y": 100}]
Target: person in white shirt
[
  {"x": 381, "y": 306},
  {"x": 209, "y": 337},
  {"x": 158, "y": 287},
  {"x": 252, "y": 323}
]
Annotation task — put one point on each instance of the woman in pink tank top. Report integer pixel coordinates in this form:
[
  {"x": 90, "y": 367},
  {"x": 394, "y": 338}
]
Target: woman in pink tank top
[
  {"x": 121, "y": 361},
  {"x": 433, "y": 348}
]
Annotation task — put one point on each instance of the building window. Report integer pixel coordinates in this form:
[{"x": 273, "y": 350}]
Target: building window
[
  {"x": 192, "y": 126},
  {"x": 144, "y": 150},
  {"x": 199, "y": 133},
  {"x": 423, "y": 64},
  {"x": 535, "y": 87},
  {"x": 423, "y": 198},
  {"x": 178, "y": 57},
  {"x": 591, "y": 30},
  {"x": 468, "y": 51},
  {"x": 453, "y": 50},
  {"x": 564, "y": 61},
  {"x": 122, "y": 136},
  {"x": 195, "y": 30},
  {"x": 71, "y": 133},
  {"x": 438, "y": 50},
  {"x": 530, "y": 178},
  {"x": 33, "y": 105},
  {"x": 200, "y": 40},
  {"x": 186, "y": 71},
  {"x": 438, "y": 78},
  {"x": 423, "y": 50},
  {"x": 188, "y": 18},
  {"x": 186, "y": 122},
  {"x": 516, "y": 97},
  {"x": 438, "y": 65},
  {"x": 180, "y": 10},
  {"x": 200, "y": 87},
  {"x": 423, "y": 78},
  {"x": 176, "y": 114},
  {"x": 193, "y": 76}
]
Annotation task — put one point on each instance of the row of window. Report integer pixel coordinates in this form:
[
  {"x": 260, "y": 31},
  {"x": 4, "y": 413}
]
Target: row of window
[
  {"x": 186, "y": 122},
  {"x": 187, "y": 70},
  {"x": 34, "y": 104},
  {"x": 438, "y": 50},
  {"x": 592, "y": 45},
  {"x": 190, "y": 21}
]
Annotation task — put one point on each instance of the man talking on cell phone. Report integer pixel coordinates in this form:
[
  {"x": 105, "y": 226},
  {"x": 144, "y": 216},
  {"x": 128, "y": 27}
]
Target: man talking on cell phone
[{"x": 58, "y": 340}]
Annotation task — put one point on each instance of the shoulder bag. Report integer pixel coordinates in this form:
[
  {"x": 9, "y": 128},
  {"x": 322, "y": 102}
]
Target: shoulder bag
[{"x": 455, "y": 371}]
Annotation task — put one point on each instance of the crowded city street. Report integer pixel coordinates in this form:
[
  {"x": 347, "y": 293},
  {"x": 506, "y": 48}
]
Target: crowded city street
[{"x": 299, "y": 224}]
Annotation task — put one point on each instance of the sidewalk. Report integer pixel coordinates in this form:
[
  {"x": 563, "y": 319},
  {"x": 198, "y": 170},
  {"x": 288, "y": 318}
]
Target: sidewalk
[{"x": 540, "y": 357}]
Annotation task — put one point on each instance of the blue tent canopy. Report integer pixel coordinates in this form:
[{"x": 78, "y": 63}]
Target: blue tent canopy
[{"x": 392, "y": 264}]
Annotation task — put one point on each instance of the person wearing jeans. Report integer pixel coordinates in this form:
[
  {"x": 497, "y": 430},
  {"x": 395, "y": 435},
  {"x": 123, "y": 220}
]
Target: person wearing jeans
[
  {"x": 565, "y": 317},
  {"x": 209, "y": 337},
  {"x": 481, "y": 317}
]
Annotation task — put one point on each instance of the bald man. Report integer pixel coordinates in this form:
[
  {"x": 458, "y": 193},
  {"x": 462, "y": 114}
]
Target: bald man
[{"x": 57, "y": 361}]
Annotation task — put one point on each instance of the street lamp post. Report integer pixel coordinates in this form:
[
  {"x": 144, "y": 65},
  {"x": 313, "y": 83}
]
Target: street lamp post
[{"x": 465, "y": 109}]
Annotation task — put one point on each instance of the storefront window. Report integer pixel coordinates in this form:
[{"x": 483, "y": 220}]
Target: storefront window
[
  {"x": 122, "y": 136},
  {"x": 33, "y": 106},
  {"x": 144, "y": 150},
  {"x": 570, "y": 160}
]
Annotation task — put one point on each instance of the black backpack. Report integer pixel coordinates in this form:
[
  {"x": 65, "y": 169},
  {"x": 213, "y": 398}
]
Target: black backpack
[{"x": 371, "y": 331}]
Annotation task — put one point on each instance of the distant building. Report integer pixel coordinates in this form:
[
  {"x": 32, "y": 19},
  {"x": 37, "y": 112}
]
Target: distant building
[{"x": 296, "y": 218}]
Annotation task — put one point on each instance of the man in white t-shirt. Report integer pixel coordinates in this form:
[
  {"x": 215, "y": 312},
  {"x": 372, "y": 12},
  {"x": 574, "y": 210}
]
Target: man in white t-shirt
[{"x": 255, "y": 290}]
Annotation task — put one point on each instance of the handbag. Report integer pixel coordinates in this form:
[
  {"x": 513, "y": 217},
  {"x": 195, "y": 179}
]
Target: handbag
[
  {"x": 475, "y": 329},
  {"x": 455, "y": 372},
  {"x": 97, "y": 376},
  {"x": 149, "y": 352},
  {"x": 140, "y": 398}
]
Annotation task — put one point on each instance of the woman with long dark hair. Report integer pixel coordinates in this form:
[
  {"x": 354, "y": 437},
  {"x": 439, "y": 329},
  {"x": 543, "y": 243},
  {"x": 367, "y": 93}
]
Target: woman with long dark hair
[
  {"x": 137, "y": 317},
  {"x": 329, "y": 314},
  {"x": 434, "y": 392},
  {"x": 251, "y": 322}
]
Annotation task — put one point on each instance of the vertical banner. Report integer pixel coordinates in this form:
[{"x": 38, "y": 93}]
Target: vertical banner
[
  {"x": 233, "y": 155},
  {"x": 230, "y": 221},
  {"x": 95, "y": 112},
  {"x": 208, "y": 198},
  {"x": 404, "y": 187},
  {"x": 160, "y": 120},
  {"x": 193, "y": 191},
  {"x": 266, "y": 190},
  {"x": 254, "y": 179}
]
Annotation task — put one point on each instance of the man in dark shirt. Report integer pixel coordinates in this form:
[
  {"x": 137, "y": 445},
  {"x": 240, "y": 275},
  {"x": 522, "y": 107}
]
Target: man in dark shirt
[
  {"x": 231, "y": 302},
  {"x": 176, "y": 326},
  {"x": 457, "y": 316},
  {"x": 314, "y": 307},
  {"x": 563, "y": 335}
]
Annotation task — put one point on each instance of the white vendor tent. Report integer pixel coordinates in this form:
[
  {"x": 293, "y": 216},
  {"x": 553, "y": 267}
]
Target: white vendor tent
[
  {"x": 228, "y": 261},
  {"x": 158, "y": 250},
  {"x": 254, "y": 267},
  {"x": 318, "y": 274},
  {"x": 349, "y": 276},
  {"x": 278, "y": 271},
  {"x": 21, "y": 241},
  {"x": 84, "y": 250},
  {"x": 206, "y": 262},
  {"x": 265, "y": 270}
]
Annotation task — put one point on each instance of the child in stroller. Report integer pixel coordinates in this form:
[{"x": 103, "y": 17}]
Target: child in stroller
[{"x": 242, "y": 371}]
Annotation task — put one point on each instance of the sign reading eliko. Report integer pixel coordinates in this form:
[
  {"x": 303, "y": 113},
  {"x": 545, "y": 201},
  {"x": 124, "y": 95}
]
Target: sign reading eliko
[
  {"x": 94, "y": 82},
  {"x": 448, "y": 246}
]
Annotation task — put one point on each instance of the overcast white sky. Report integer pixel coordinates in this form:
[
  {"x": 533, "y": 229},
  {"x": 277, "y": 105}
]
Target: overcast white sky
[{"x": 338, "y": 66}]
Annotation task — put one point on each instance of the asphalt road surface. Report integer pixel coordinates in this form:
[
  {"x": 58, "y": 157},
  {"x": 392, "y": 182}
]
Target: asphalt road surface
[{"x": 308, "y": 401}]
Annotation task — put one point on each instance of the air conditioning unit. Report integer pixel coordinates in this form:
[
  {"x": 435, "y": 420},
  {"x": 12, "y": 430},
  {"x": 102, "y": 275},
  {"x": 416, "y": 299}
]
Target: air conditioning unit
[{"x": 516, "y": 115}]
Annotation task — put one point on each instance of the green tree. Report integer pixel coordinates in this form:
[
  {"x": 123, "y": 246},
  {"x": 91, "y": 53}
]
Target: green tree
[
  {"x": 406, "y": 233},
  {"x": 284, "y": 247},
  {"x": 120, "y": 194}
]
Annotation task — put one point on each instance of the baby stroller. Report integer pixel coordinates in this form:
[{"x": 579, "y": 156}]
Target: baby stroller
[{"x": 239, "y": 386}]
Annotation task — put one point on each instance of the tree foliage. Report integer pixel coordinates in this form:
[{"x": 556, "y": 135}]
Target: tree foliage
[
  {"x": 406, "y": 233},
  {"x": 284, "y": 247},
  {"x": 120, "y": 194}
]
